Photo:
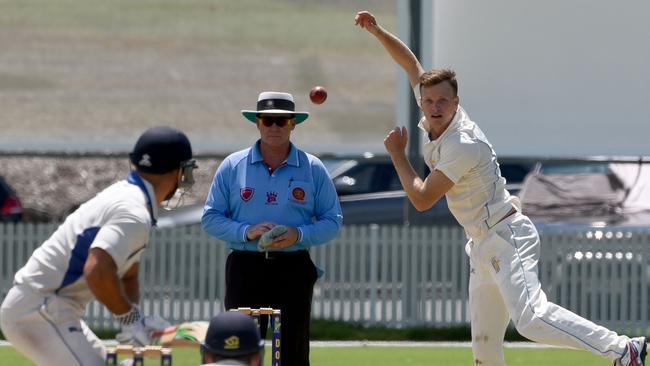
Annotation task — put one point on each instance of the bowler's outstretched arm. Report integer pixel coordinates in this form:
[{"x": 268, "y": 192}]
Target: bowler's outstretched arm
[{"x": 393, "y": 45}]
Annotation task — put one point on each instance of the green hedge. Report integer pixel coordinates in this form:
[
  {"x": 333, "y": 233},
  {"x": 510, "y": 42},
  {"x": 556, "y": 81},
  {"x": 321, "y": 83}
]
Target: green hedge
[
  {"x": 343, "y": 331},
  {"x": 335, "y": 330}
]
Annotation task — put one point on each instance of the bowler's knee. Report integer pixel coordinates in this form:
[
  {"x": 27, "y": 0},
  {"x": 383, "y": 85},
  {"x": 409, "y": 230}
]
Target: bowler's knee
[{"x": 530, "y": 325}]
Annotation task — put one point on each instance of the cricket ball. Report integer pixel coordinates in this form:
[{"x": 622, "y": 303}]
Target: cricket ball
[{"x": 317, "y": 95}]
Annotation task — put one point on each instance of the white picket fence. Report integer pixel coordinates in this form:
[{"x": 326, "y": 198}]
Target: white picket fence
[{"x": 393, "y": 275}]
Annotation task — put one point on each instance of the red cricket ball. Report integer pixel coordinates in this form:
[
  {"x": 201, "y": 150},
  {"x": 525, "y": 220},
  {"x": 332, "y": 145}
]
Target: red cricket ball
[{"x": 317, "y": 95}]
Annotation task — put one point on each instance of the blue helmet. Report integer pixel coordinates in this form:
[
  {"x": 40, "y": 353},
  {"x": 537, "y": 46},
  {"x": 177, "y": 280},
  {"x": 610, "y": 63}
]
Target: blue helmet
[{"x": 232, "y": 334}]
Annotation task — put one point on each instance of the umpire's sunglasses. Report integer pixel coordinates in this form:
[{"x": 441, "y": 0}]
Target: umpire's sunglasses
[{"x": 269, "y": 121}]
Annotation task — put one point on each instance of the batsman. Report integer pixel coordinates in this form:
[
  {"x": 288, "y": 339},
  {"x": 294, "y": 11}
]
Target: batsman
[
  {"x": 503, "y": 245},
  {"x": 95, "y": 254},
  {"x": 270, "y": 203}
]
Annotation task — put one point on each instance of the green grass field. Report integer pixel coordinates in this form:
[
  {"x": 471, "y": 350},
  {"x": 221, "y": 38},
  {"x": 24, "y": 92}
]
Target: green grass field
[{"x": 387, "y": 356}]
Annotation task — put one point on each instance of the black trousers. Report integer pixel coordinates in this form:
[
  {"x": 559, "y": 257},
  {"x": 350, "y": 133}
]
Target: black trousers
[{"x": 285, "y": 281}]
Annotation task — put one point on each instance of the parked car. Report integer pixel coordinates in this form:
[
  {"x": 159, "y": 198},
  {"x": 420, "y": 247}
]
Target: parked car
[
  {"x": 365, "y": 175},
  {"x": 373, "y": 174},
  {"x": 10, "y": 208},
  {"x": 370, "y": 191},
  {"x": 595, "y": 192}
]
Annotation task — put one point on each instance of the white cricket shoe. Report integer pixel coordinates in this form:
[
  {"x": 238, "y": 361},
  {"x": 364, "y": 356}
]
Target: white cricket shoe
[{"x": 635, "y": 353}]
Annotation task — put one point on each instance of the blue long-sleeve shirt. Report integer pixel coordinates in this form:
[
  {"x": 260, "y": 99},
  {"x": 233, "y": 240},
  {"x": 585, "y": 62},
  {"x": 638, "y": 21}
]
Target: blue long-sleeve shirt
[{"x": 298, "y": 193}]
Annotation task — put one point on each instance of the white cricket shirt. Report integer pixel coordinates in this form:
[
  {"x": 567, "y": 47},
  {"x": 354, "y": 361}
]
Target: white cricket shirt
[
  {"x": 478, "y": 199},
  {"x": 117, "y": 220}
]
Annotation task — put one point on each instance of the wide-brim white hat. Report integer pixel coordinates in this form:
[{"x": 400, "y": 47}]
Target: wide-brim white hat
[{"x": 271, "y": 102}]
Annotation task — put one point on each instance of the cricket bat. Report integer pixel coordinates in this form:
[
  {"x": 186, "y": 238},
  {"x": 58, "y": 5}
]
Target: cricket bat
[{"x": 189, "y": 334}]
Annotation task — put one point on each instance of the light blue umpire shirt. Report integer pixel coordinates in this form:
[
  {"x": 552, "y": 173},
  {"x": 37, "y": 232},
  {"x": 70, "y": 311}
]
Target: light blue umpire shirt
[{"x": 298, "y": 193}]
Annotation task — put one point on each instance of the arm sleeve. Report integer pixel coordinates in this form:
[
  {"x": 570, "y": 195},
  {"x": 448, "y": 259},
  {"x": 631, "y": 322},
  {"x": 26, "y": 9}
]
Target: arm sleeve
[
  {"x": 123, "y": 235},
  {"x": 216, "y": 219},
  {"x": 457, "y": 158},
  {"x": 327, "y": 218}
]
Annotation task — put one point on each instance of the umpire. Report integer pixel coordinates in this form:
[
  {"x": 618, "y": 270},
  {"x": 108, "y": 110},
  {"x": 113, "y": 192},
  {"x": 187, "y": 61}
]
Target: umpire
[{"x": 273, "y": 183}]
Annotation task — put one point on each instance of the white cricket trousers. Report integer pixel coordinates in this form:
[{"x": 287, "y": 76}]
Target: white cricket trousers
[
  {"x": 504, "y": 285},
  {"x": 48, "y": 330}
]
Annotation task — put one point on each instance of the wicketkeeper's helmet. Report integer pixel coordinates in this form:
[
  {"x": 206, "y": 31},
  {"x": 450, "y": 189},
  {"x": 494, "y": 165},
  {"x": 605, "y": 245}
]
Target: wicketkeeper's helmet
[{"x": 232, "y": 334}]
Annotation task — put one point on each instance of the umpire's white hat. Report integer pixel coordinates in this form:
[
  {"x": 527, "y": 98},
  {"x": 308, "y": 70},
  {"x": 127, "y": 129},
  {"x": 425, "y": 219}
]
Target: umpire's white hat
[{"x": 270, "y": 102}]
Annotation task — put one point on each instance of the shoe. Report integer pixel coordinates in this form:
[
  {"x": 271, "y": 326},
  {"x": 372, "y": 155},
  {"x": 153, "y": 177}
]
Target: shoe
[{"x": 635, "y": 353}]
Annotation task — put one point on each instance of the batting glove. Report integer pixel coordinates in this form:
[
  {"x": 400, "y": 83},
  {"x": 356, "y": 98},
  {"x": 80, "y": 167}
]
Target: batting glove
[
  {"x": 133, "y": 328},
  {"x": 153, "y": 322}
]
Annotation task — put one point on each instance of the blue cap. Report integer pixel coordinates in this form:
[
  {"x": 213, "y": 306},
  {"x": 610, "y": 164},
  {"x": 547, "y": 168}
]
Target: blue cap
[
  {"x": 161, "y": 149},
  {"x": 234, "y": 334}
]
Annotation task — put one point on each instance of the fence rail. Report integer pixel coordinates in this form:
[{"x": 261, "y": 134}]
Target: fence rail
[{"x": 391, "y": 275}]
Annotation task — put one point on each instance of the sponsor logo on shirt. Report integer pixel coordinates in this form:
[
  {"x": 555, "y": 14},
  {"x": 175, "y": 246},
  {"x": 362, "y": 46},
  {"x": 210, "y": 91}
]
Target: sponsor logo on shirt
[
  {"x": 298, "y": 194},
  {"x": 246, "y": 193},
  {"x": 271, "y": 198}
]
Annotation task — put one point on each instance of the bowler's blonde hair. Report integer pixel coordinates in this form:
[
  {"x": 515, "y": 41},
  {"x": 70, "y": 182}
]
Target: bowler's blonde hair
[{"x": 437, "y": 76}]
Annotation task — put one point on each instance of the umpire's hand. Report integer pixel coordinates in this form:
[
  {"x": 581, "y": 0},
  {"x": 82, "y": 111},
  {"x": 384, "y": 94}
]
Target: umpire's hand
[
  {"x": 255, "y": 231},
  {"x": 287, "y": 239}
]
